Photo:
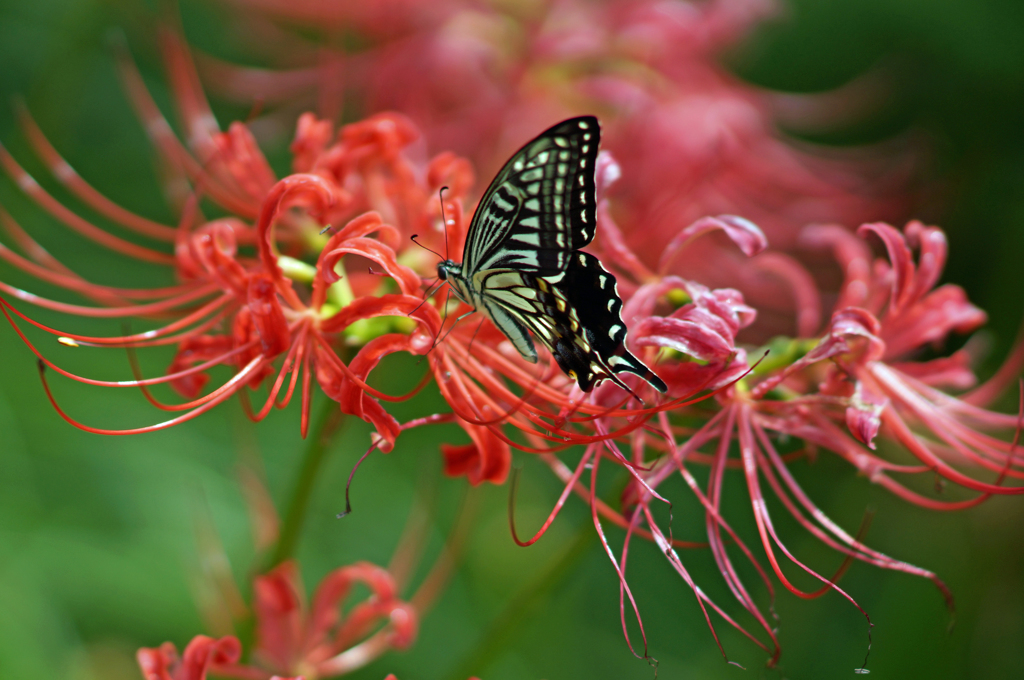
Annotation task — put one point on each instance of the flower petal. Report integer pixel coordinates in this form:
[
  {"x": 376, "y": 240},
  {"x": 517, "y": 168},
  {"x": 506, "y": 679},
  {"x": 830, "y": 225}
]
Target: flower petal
[
  {"x": 278, "y": 605},
  {"x": 487, "y": 459},
  {"x": 863, "y": 415}
]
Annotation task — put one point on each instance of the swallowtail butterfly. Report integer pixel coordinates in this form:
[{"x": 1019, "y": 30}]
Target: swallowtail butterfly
[{"x": 523, "y": 267}]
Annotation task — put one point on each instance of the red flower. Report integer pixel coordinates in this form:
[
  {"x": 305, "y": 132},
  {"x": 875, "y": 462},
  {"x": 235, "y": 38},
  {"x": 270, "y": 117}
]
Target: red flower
[
  {"x": 860, "y": 377},
  {"x": 295, "y": 639},
  {"x": 274, "y": 307},
  {"x": 693, "y": 139}
]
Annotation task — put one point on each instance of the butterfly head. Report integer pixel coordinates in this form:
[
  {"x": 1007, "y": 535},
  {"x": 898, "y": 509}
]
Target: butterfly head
[
  {"x": 448, "y": 268},
  {"x": 451, "y": 272}
]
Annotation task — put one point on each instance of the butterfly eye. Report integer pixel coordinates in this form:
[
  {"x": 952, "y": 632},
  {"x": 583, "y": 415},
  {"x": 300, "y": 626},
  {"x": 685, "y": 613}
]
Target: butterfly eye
[{"x": 442, "y": 271}]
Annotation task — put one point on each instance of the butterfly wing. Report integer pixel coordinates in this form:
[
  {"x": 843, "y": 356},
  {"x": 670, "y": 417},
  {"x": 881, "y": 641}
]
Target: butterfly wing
[
  {"x": 541, "y": 206},
  {"x": 577, "y": 315}
]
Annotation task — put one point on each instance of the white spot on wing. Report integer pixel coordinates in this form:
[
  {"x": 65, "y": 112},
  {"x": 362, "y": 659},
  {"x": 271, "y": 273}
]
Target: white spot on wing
[{"x": 529, "y": 239}]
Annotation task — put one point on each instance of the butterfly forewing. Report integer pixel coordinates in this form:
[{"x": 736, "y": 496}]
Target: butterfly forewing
[{"x": 541, "y": 206}]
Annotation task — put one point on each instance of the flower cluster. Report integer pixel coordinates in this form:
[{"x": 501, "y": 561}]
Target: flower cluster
[
  {"x": 294, "y": 639},
  {"x": 691, "y": 138},
  {"x": 315, "y": 277}
]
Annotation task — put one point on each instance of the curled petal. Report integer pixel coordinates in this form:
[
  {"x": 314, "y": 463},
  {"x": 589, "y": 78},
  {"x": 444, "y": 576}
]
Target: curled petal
[
  {"x": 353, "y": 400},
  {"x": 931, "y": 260},
  {"x": 487, "y": 459},
  {"x": 267, "y": 315},
  {"x": 448, "y": 170},
  {"x": 201, "y": 655},
  {"x": 725, "y": 303},
  {"x": 312, "y": 136},
  {"x": 859, "y": 329},
  {"x": 853, "y": 255},
  {"x": 381, "y": 136},
  {"x": 901, "y": 259},
  {"x": 314, "y": 192},
  {"x": 408, "y": 280},
  {"x": 641, "y": 305},
  {"x": 864, "y": 414},
  {"x": 744, "y": 233},
  {"x": 364, "y": 225},
  {"x": 215, "y": 246},
  {"x": 689, "y": 336},
  {"x": 158, "y": 663},
  {"x": 952, "y": 372},
  {"x": 335, "y": 587},
  {"x": 238, "y": 154},
  {"x": 243, "y": 332},
  {"x": 192, "y": 351},
  {"x": 404, "y": 625},
  {"x": 277, "y": 602},
  {"x": 390, "y": 305},
  {"x": 931, "y": 319}
]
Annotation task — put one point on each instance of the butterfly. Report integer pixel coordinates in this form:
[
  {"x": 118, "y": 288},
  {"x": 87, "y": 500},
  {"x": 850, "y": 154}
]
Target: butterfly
[{"x": 523, "y": 267}]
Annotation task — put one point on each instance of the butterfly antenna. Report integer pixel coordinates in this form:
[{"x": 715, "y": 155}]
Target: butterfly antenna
[
  {"x": 437, "y": 338},
  {"x": 426, "y": 296},
  {"x": 444, "y": 222},
  {"x": 413, "y": 239}
]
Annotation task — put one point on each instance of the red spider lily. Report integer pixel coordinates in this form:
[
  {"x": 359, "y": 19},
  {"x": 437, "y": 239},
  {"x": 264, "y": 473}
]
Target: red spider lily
[
  {"x": 249, "y": 300},
  {"x": 886, "y": 314},
  {"x": 861, "y": 377},
  {"x": 327, "y": 635},
  {"x": 692, "y": 139},
  {"x": 256, "y": 298},
  {"x": 295, "y": 639}
]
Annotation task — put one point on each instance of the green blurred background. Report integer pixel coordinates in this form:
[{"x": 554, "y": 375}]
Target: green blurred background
[{"x": 98, "y": 540}]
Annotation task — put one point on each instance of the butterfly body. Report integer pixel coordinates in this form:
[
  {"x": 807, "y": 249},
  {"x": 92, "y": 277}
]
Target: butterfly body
[{"x": 523, "y": 267}]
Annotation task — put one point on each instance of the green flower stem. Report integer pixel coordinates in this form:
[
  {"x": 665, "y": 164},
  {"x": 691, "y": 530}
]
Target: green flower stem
[{"x": 327, "y": 426}]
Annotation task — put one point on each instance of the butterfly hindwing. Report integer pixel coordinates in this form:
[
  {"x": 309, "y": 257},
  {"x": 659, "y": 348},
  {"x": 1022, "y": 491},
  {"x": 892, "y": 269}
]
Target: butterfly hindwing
[
  {"x": 541, "y": 206},
  {"x": 576, "y": 315}
]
